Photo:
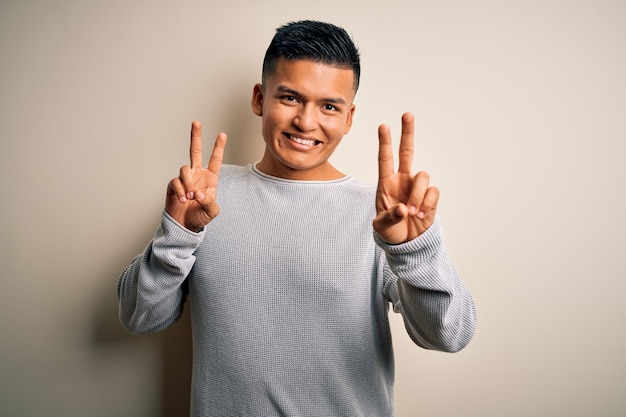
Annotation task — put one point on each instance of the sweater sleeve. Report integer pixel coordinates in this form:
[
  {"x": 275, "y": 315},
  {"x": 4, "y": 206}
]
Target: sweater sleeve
[
  {"x": 424, "y": 286},
  {"x": 151, "y": 290}
]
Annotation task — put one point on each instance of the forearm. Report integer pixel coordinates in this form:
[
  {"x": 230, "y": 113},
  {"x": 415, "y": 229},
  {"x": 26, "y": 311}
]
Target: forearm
[
  {"x": 437, "y": 308},
  {"x": 438, "y": 320},
  {"x": 150, "y": 290}
]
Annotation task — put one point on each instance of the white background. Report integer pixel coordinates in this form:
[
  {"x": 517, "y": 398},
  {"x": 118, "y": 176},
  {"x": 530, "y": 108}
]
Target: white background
[{"x": 521, "y": 121}]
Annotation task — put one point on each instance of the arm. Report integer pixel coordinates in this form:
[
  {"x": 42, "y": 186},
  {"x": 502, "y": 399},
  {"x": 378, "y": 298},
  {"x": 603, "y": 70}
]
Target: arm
[
  {"x": 150, "y": 291},
  {"x": 424, "y": 286},
  {"x": 421, "y": 282}
]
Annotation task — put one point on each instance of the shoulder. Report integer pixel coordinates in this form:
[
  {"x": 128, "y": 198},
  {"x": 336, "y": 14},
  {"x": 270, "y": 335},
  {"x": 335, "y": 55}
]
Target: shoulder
[
  {"x": 358, "y": 188},
  {"x": 233, "y": 173},
  {"x": 228, "y": 170},
  {"x": 354, "y": 195}
]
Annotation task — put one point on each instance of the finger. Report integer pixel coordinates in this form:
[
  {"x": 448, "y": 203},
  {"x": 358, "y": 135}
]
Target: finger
[
  {"x": 195, "y": 148},
  {"x": 385, "y": 152},
  {"x": 175, "y": 187},
  {"x": 406, "y": 144},
  {"x": 431, "y": 199},
  {"x": 389, "y": 218},
  {"x": 418, "y": 191},
  {"x": 209, "y": 205},
  {"x": 217, "y": 156},
  {"x": 186, "y": 178}
]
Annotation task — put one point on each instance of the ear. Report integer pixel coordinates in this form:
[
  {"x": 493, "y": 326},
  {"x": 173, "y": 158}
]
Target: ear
[
  {"x": 257, "y": 99},
  {"x": 349, "y": 119}
]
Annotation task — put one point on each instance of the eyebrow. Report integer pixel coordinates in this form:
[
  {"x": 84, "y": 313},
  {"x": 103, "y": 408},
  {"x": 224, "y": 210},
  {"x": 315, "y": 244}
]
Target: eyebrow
[{"x": 285, "y": 89}]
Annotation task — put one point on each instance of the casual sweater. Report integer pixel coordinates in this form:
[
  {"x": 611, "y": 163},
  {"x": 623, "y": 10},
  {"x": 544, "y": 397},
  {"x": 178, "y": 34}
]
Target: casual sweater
[{"x": 289, "y": 289}]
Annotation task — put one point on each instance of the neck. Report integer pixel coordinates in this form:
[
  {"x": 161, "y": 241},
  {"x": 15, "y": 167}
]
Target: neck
[{"x": 324, "y": 172}]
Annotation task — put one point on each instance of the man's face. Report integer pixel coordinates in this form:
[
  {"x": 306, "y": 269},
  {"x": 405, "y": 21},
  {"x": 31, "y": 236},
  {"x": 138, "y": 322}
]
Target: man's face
[{"x": 306, "y": 108}]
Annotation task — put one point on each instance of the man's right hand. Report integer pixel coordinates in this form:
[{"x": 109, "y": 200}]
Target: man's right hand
[{"x": 191, "y": 196}]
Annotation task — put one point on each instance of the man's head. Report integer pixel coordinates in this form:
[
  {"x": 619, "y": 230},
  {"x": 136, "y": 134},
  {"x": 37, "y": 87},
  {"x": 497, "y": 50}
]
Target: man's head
[
  {"x": 315, "y": 41},
  {"x": 306, "y": 99}
]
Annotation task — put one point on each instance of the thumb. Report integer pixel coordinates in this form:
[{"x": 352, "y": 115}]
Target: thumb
[
  {"x": 389, "y": 218},
  {"x": 209, "y": 206}
]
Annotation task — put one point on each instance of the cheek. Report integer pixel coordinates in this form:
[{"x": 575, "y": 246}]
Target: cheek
[
  {"x": 269, "y": 118},
  {"x": 273, "y": 124},
  {"x": 276, "y": 116},
  {"x": 336, "y": 128}
]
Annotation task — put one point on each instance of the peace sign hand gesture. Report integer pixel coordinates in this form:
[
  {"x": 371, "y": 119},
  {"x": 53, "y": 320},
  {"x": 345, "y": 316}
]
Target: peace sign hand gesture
[
  {"x": 191, "y": 196},
  {"x": 405, "y": 203}
]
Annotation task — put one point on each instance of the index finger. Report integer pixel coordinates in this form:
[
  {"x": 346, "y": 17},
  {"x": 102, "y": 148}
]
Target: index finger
[
  {"x": 195, "y": 148},
  {"x": 385, "y": 152},
  {"x": 406, "y": 144}
]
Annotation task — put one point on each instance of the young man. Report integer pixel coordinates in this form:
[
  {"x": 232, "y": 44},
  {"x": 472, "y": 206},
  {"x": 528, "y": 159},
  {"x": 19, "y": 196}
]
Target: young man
[{"x": 290, "y": 285}]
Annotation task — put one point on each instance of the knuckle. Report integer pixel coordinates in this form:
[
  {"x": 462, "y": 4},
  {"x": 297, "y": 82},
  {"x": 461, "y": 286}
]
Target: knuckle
[
  {"x": 423, "y": 175},
  {"x": 405, "y": 152}
]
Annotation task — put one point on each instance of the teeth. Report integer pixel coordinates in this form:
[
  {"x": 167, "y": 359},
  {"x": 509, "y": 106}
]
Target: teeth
[{"x": 307, "y": 142}]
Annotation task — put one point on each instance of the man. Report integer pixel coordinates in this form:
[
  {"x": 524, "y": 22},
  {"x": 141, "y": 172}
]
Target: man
[{"x": 289, "y": 264}]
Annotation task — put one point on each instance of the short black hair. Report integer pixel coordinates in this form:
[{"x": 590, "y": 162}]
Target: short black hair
[{"x": 314, "y": 40}]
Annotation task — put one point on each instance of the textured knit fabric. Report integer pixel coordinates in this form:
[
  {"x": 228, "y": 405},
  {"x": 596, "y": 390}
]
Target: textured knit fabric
[{"x": 289, "y": 290}]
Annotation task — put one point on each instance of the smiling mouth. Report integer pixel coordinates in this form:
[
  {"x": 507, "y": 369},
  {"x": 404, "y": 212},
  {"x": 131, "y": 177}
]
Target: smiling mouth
[{"x": 303, "y": 141}]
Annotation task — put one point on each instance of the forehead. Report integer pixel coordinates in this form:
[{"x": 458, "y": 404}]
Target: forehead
[{"x": 313, "y": 78}]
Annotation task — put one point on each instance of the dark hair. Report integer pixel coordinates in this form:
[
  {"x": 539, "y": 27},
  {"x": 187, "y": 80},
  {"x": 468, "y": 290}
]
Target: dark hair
[{"x": 318, "y": 41}]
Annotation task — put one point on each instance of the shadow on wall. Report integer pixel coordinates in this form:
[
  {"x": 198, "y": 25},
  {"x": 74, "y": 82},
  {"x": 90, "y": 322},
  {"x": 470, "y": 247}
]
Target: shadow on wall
[
  {"x": 177, "y": 360},
  {"x": 175, "y": 352},
  {"x": 245, "y": 142},
  {"x": 245, "y": 145}
]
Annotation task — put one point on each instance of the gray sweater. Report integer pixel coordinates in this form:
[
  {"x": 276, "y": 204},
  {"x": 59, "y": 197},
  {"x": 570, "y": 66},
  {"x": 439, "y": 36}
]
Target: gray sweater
[{"x": 289, "y": 290}]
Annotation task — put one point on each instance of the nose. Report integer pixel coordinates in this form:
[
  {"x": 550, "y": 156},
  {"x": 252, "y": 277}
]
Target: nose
[{"x": 306, "y": 119}]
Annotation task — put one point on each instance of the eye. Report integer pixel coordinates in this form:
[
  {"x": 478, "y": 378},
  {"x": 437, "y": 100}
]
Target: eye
[
  {"x": 289, "y": 98},
  {"x": 330, "y": 107}
]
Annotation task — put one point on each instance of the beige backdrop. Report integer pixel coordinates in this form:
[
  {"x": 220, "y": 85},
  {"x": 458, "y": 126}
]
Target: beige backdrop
[{"x": 521, "y": 121}]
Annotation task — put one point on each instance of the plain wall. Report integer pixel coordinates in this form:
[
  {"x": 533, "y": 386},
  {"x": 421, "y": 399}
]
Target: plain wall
[{"x": 520, "y": 119}]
